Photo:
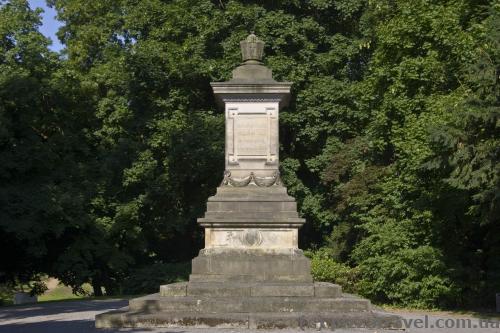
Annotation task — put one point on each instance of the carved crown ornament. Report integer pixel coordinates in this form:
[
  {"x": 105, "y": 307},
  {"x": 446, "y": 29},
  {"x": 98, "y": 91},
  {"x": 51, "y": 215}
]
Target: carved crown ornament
[{"x": 252, "y": 49}]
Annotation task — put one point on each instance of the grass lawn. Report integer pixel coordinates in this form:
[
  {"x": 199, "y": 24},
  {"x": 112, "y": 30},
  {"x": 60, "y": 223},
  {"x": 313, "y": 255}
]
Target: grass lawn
[
  {"x": 56, "y": 292},
  {"x": 62, "y": 292}
]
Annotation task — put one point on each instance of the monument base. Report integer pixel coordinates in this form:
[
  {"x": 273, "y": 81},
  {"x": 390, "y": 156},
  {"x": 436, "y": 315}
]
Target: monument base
[
  {"x": 250, "y": 288},
  {"x": 251, "y": 274},
  {"x": 264, "y": 305}
]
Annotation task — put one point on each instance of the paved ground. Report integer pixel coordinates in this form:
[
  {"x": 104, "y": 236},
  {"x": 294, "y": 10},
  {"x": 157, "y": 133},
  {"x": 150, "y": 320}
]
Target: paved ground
[{"x": 78, "y": 317}]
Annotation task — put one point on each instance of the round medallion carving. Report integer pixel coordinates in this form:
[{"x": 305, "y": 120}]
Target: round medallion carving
[{"x": 252, "y": 238}]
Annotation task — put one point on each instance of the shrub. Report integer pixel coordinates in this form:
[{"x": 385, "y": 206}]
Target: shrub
[
  {"x": 324, "y": 268},
  {"x": 399, "y": 269},
  {"x": 409, "y": 277}
]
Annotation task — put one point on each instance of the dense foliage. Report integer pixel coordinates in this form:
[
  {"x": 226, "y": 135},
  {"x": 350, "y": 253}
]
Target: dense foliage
[
  {"x": 147, "y": 279},
  {"x": 391, "y": 145}
]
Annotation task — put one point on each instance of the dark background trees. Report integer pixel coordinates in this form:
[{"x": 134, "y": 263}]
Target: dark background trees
[{"x": 110, "y": 149}]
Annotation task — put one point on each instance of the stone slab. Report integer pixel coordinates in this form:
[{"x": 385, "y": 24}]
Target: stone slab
[
  {"x": 149, "y": 320},
  {"x": 174, "y": 289},
  {"x": 24, "y": 298},
  {"x": 251, "y": 193},
  {"x": 242, "y": 304},
  {"x": 262, "y": 265},
  {"x": 373, "y": 320},
  {"x": 325, "y": 289},
  {"x": 252, "y": 215},
  {"x": 251, "y": 206},
  {"x": 249, "y": 278},
  {"x": 330, "y": 321},
  {"x": 239, "y": 289},
  {"x": 218, "y": 289},
  {"x": 283, "y": 289}
]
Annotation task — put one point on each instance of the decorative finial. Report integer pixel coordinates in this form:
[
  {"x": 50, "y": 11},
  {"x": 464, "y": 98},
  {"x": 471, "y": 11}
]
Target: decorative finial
[{"x": 252, "y": 49}]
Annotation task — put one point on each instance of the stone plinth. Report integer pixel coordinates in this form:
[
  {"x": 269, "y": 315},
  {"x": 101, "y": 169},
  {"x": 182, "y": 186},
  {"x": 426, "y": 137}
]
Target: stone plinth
[
  {"x": 251, "y": 234},
  {"x": 24, "y": 298}
]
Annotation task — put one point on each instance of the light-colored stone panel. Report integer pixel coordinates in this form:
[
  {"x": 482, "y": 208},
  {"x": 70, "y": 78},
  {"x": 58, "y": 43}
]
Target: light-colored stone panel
[
  {"x": 251, "y": 135},
  {"x": 252, "y": 138},
  {"x": 251, "y": 238}
]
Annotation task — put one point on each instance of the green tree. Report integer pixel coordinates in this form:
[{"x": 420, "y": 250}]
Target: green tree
[
  {"x": 467, "y": 160},
  {"x": 38, "y": 201},
  {"x": 410, "y": 218}
]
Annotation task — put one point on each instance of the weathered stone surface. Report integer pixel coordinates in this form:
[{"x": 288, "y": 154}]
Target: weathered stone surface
[
  {"x": 24, "y": 298},
  {"x": 247, "y": 289},
  {"x": 172, "y": 319},
  {"x": 270, "y": 304},
  {"x": 218, "y": 289},
  {"x": 264, "y": 265},
  {"x": 253, "y": 73},
  {"x": 249, "y": 278},
  {"x": 373, "y": 320},
  {"x": 283, "y": 289},
  {"x": 330, "y": 321},
  {"x": 233, "y": 211},
  {"x": 324, "y": 289},
  {"x": 251, "y": 194},
  {"x": 174, "y": 289}
]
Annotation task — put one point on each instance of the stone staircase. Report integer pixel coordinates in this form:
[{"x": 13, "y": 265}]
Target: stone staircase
[{"x": 263, "y": 305}]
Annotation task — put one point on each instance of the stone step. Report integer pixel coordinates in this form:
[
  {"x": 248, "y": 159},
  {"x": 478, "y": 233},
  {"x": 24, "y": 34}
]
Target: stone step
[
  {"x": 204, "y": 277},
  {"x": 238, "y": 304},
  {"x": 331, "y": 321},
  {"x": 249, "y": 290},
  {"x": 239, "y": 289}
]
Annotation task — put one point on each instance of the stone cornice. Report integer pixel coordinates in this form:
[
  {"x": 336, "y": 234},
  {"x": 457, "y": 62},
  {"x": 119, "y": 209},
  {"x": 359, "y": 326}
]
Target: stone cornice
[{"x": 252, "y": 92}]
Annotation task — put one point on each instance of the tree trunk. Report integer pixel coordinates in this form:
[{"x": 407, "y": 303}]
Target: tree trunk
[{"x": 96, "y": 285}]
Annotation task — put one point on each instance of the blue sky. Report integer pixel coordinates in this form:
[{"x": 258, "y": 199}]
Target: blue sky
[{"x": 49, "y": 23}]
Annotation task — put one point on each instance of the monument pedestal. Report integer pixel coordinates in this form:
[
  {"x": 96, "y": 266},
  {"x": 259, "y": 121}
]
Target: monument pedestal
[
  {"x": 251, "y": 234},
  {"x": 251, "y": 273}
]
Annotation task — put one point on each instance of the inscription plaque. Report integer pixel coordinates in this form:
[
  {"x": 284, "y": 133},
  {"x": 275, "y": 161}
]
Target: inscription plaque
[
  {"x": 252, "y": 138},
  {"x": 251, "y": 135}
]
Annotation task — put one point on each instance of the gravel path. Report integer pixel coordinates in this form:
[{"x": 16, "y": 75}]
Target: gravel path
[{"x": 78, "y": 317}]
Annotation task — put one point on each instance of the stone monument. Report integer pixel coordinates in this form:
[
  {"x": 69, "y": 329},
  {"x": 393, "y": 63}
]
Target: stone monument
[{"x": 251, "y": 273}]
